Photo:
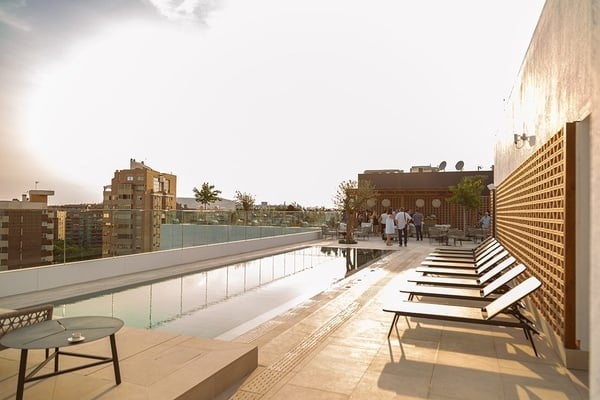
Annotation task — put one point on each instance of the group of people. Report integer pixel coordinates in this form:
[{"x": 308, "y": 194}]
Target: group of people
[{"x": 399, "y": 221}]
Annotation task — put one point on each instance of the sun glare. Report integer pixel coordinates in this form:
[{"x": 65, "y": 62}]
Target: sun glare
[{"x": 114, "y": 85}]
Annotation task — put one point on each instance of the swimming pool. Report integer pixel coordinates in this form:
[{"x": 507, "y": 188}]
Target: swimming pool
[{"x": 227, "y": 301}]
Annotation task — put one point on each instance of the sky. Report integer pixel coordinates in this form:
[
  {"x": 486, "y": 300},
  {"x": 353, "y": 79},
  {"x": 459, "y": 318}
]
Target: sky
[{"x": 280, "y": 99}]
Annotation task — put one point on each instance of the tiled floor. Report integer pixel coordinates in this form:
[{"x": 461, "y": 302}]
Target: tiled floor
[{"x": 334, "y": 346}]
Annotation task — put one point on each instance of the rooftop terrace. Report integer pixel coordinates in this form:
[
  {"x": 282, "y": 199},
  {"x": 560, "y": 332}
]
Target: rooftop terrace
[{"x": 333, "y": 346}]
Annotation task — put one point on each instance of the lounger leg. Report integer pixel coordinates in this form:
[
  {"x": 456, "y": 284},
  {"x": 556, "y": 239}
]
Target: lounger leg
[
  {"x": 394, "y": 321},
  {"x": 530, "y": 334}
]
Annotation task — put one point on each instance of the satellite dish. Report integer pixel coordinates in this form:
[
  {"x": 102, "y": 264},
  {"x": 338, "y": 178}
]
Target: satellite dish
[
  {"x": 442, "y": 166},
  {"x": 459, "y": 165}
]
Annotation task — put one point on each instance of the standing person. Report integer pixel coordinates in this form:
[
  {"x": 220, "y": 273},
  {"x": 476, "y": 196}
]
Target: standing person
[
  {"x": 485, "y": 222},
  {"x": 382, "y": 220},
  {"x": 390, "y": 226},
  {"x": 417, "y": 218},
  {"x": 375, "y": 222},
  {"x": 402, "y": 220}
]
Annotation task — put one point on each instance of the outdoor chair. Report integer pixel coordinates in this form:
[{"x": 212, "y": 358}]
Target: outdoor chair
[
  {"x": 463, "y": 257},
  {"x": 493, "y": 314},
  {"x": 471, "y": 251},
  {"x": 13, "y": 319},
  {"x": 473, "y": 272},
  {"x": 490, "y": 291},
  {"x": 456, "y": 235},
  {"x": 328, "y": 232},
  {"x": 436, "y": 234},
  {"x": 485, "y": 257},
  {"x": 465, "y": 281},
  {"x": 363, "y": 232}
]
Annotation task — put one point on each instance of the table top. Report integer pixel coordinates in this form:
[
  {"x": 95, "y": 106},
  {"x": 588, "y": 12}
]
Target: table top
[{"x": 56, "y": 332}]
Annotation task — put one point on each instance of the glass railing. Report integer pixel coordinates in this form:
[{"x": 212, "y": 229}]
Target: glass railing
[{"x": 95, "y": 233}]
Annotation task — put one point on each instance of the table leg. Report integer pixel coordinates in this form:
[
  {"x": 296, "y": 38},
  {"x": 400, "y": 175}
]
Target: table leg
[
  {"x": 55, "y": 359},
  {"x": 115, "y": 357},
  {"x": 21, "y": 379}
]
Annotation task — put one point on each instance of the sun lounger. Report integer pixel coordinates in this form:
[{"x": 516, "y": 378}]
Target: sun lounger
[
  {"x": 474, "y": 272},
  {"x": 474, "y": 250},
  {"x": 466, "y": 258},
  {"x": 487, "y": 292},
  {"x": 465, "y": 264},
  {"x": 464, "y": 252},
  {"x": 492, "y": 314},
  {"x": 458, "y": 280}
]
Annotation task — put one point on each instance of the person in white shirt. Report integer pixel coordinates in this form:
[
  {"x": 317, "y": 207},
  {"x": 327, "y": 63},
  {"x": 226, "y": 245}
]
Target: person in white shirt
[
  {"x": 390, "y": 225},
  {"x": 382, "y": 223},
  {"x": 402, "y": 220}
]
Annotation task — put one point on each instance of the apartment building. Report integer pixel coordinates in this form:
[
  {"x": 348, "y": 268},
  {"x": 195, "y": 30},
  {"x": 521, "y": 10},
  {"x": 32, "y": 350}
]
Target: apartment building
[
  {"x": 134, "y": 208},
  {"x": 26, "y": 231}
]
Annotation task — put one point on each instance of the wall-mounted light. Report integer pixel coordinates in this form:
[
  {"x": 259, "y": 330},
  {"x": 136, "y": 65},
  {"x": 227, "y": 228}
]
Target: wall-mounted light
[
  {"x": 491, "y": 186},
  {"x": 519, "y": 140}
]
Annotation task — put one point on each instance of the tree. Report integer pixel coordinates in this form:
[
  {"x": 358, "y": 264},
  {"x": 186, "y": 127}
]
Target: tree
[
  {"x": 245, "y": 201},
  {"x": 207, "y": 195},
  {"x": 467, "y": 194},
  {"x": 352, "y": 196}
]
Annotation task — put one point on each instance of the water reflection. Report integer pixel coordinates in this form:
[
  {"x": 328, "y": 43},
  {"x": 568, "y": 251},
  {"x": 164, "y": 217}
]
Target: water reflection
[{"x": 214, "y": 302}]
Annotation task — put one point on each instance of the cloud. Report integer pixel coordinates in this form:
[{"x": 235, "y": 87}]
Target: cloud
[
  {"x": 185, "y": 10},
  {"x": 11, "y": 20}
]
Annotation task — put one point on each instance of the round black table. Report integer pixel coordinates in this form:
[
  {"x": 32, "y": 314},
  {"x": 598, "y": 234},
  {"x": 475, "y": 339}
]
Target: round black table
[{"x": 55, "y": 334}]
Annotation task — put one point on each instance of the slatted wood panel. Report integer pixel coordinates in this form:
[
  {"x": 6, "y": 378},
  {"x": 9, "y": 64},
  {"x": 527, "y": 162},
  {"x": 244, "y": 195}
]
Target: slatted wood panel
[
  {"x": 445, "y": 214},
  {"x": 530, "y": 214}
]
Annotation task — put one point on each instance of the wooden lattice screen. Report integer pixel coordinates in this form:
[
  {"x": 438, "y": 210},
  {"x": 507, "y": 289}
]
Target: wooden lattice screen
[{"x": 531, "y": 207}]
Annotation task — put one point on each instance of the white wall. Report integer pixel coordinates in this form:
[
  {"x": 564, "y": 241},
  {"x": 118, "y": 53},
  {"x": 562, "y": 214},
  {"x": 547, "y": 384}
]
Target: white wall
[
  {"x": 559, "y": 82},
  {"x": 594, "y": 183},
  {"x": 553, "y": 86}
]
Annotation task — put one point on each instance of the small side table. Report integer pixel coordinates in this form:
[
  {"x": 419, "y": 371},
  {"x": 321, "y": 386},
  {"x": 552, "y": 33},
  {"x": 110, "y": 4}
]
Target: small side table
[{"x": 56, "y": 334}]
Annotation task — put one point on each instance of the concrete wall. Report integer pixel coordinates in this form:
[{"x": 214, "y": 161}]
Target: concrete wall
[
  {"x": 559, "y": 82},
  {"x": 554, "y": 85},
  {"x": 41, "y": 278}
]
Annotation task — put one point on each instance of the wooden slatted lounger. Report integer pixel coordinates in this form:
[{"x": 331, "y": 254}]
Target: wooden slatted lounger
[{"x": 488, "y": 315}]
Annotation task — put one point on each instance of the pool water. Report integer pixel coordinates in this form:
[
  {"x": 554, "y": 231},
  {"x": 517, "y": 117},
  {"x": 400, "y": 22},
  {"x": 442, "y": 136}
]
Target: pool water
[{"x": 227, "y": 301}]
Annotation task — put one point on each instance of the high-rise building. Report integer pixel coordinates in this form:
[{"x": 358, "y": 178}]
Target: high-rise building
[
  {"x": 134, "y": 206},
  {"x": 26, "y": 231}
]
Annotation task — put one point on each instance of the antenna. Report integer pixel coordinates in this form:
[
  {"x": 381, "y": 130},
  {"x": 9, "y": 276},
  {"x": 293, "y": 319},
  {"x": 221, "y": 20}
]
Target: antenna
[
  {"x": 459, "y": 165},
  {"x": 442, "y": 166}
]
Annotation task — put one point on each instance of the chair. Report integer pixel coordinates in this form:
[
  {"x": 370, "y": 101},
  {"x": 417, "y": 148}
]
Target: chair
[
  {"x": 488, "y": 315},
  {"x": 458, "y": 280},
  {"x": 462, "y": 271},
  {"x": 465, "y": 264},
  {"x": 13, "y": 319},
  {"x": 436, "y": 234},
  {"x": 328, "y": 232},
  {"x": 487, "y": 292},
  {"x": 457, "y": 235},
  {"x": 463, "y": 257},
  {"x": 470, "y": 251},
  {"x": 364, "y": 232}
]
